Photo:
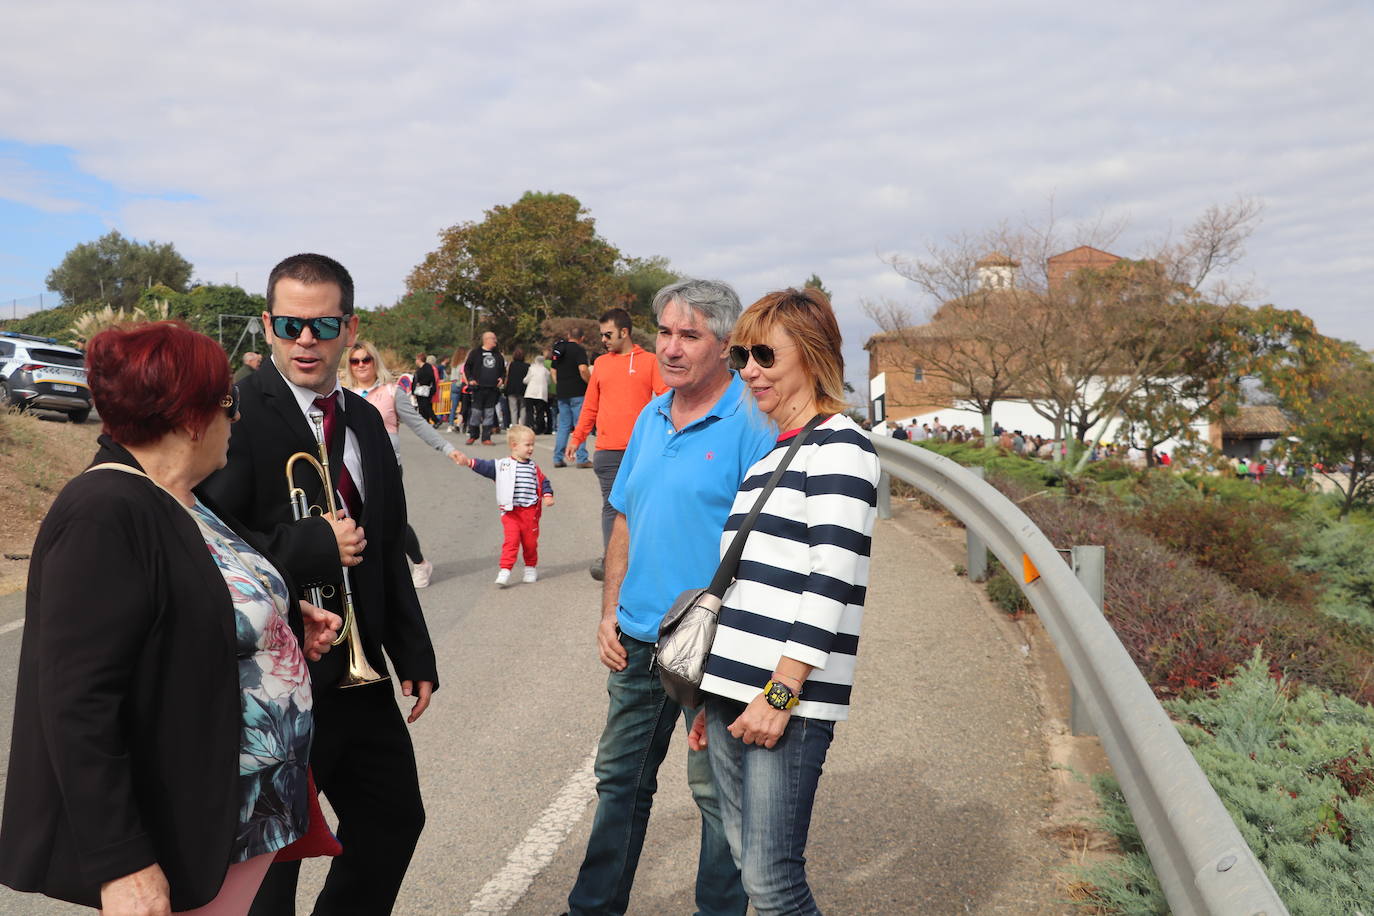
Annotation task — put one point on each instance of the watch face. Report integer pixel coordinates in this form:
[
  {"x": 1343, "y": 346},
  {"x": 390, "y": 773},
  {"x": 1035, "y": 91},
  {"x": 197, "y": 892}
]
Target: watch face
[{"x": 779, "y": 696}]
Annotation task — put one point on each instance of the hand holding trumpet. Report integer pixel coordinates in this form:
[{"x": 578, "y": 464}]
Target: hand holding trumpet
[{"x": 349, "y": 535}]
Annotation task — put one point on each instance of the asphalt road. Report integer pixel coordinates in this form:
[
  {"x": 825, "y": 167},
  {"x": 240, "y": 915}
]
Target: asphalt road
[{"x": 934, "y": 798}]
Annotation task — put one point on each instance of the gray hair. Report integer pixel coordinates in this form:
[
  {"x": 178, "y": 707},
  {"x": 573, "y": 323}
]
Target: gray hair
[{"x": 713, "y": 300}]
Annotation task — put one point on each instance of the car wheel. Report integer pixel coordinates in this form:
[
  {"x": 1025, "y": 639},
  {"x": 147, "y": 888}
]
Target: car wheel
[
  {"x": 5, "y": 396},
  {"x": 78, "y": 416}
]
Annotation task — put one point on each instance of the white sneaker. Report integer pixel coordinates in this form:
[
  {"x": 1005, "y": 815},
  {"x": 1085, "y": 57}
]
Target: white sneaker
[
  {"x": 420, "y": 574},
  {"x": 503, "y": 578},
  {"x": 531, "y": 574}
]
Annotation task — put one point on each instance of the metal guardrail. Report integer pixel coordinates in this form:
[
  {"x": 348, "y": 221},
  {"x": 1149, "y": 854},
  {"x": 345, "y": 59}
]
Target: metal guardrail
[{"x": 1202, "y": 862}]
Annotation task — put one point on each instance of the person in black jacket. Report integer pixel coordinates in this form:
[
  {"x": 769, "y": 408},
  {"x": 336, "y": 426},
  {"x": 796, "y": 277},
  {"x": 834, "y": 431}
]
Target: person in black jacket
[
  {"x": 363, "y": 759},
  {"x": 515, "y": 389},
  {"x": 157, "y": 652},
  {"x": 425, "y": 386},
  {"x": 485, "y": 370}
]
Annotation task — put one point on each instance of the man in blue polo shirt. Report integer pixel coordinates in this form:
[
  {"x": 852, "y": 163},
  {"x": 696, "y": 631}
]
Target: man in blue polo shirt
[{"x": 685, "y": 460}]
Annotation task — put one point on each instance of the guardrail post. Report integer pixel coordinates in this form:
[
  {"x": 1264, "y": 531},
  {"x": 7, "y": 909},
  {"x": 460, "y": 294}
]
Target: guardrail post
[
  {"x": 1090, "y": 566},
  {"x": 884, "y": 495},
  {"x": 974, "y": 546}
]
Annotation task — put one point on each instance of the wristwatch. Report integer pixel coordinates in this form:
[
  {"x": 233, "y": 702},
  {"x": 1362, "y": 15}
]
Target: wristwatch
[{"x": 780, "y": 696}]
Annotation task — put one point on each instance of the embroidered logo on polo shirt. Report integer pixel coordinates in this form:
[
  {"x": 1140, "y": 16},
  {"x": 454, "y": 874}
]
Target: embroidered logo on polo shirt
[{"x": 710, "y": 456}]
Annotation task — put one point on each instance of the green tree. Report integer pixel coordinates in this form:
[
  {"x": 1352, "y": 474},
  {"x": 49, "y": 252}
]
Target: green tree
[
  {"x": 1335, "y": 426},
  {"x": 1279, "y": 347},
  {"x": 114, "y": 270},
  {"x": 814, "y": 282},
  {"x": 643, "y": 278},
  {"x": 218, "y": 310},
  {"x": 418, "y": 321},
  {"x": 537, "y": 258}
]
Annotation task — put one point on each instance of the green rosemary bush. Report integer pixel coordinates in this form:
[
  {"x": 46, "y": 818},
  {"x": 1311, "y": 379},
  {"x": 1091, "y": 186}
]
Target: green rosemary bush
[
  {"x": 1293, "y": 766},
  {"x": 1342, "y": 555}
]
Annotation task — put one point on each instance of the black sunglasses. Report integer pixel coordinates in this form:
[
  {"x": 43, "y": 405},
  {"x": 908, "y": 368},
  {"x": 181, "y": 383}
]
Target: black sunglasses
[
  {"x": 762, "y": 353},
  {"x": 359, "y": 360},
  {"x": 230, "y": 402},
  {"x": 322, "y": 328}
]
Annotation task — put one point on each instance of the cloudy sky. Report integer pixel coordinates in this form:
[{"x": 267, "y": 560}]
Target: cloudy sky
[{"x": 753, "y": 142}]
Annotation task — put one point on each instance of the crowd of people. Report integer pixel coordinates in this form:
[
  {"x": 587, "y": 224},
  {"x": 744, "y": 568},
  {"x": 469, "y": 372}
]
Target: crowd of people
[
  {"x": 172, "y": 730},
  {"x": 1014, "y": 442},
  {"x": 486, "y": 392}
]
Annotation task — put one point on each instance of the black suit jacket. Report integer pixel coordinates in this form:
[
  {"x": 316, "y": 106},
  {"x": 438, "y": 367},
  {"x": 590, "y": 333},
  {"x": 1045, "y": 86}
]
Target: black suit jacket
[
  {"x": 127, "y": 712},
  {"x": 252, "y": 487}
]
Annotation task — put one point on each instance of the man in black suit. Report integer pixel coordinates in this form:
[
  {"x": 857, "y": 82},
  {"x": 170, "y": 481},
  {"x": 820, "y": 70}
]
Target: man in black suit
[{"x": 362, "y": 756}]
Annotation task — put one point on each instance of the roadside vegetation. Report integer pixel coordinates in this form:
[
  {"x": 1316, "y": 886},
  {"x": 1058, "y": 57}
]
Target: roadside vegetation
[
  {"x": 37, "y": 457},
  {"x": 1249, "y": 608}
]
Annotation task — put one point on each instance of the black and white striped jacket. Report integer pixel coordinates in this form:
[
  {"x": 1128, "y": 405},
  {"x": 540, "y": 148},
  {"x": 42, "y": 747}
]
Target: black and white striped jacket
[{"x": 803, "y": 575}]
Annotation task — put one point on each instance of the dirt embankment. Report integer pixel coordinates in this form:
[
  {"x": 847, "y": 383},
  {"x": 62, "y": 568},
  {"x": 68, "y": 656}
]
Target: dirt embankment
[{"x": 39, "y": 453}]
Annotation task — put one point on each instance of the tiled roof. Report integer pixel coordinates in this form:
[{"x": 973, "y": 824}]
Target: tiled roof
[{"x": 1256, "y": 421}]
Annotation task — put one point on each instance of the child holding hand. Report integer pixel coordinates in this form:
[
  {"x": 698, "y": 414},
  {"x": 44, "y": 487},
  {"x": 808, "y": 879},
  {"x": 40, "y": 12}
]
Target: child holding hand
[{"x": 522, "y": 494}]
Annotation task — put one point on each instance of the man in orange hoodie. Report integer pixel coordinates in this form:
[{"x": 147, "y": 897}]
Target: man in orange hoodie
[{"x": 624, "y": 379}]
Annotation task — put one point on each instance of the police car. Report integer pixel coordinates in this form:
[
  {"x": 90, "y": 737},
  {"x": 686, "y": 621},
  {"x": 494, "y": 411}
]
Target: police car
[{"x": 39, "y": 372}]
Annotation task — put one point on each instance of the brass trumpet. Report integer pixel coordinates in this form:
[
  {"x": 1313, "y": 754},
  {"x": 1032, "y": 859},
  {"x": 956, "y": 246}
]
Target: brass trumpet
[{"x": 359, "y": 670}]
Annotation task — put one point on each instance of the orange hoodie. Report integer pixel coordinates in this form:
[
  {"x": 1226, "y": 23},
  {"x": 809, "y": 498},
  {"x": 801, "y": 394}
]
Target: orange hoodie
[{"x": 620, "y": 386}]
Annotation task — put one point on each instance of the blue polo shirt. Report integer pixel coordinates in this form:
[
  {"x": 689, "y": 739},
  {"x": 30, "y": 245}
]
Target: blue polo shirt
[{"x": 675, "y": 488}]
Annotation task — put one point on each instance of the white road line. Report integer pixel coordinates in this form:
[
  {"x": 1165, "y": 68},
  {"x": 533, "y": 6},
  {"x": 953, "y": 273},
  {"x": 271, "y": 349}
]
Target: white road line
[
  {"x": 11, "y": 627},
  {"x": 536, "y": 850}
]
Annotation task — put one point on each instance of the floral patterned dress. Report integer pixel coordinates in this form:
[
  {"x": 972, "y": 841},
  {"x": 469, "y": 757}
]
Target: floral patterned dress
[{"x": 276, "y": 697}]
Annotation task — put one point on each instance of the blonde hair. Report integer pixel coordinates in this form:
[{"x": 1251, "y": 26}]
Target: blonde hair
[
  {"x": 517, "y": 431},
  {"x": 806, "y": 316},
  {"x": 384, "y": 376}
]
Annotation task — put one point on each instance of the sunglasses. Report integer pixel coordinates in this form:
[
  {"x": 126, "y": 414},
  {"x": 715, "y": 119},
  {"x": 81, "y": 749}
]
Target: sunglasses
[
  {"x": 230, "y": 402},
  {"x": 762, "y": 353},
  {"x": 322, "y": 328},
  {"x": 360, "y": 360}
]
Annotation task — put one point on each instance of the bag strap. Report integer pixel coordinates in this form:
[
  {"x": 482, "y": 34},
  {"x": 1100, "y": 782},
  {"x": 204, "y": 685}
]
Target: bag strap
[{"x": 729, "y": 564}]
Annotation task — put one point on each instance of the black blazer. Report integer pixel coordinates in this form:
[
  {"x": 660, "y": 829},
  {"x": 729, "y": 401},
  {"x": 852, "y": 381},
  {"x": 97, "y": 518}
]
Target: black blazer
[
  {"x": 252, "y": 488},
  {"x": 127, "y": 715}
]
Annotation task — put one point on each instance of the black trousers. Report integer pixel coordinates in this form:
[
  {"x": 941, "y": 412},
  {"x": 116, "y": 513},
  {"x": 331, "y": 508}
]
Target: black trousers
[
  {"x": 425, "y": 407},
  {"x": 364, "y": 764},
  {"x": 537, "y": 415},
  {"x": 482, "y": 418}
]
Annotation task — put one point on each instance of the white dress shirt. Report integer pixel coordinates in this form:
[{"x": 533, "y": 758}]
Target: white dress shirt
[{"x": 353, "y": 459}]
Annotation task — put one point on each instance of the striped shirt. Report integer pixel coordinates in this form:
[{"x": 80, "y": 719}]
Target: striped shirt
[
  {"x": 803, "y": 575},
  {"x": 526, "y": 484}
]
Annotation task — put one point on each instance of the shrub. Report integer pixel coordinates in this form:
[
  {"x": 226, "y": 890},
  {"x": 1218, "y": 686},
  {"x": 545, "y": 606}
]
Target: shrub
[
  {"x": 1004, "y": 591},
  {"x": 1186, "y": 626},
  {"x": 1294, "y": 768},
  {"x": 1342, "y": 555},
  {"x": 1252, "y": 544},
  {"x": 1027, "y": 471}
]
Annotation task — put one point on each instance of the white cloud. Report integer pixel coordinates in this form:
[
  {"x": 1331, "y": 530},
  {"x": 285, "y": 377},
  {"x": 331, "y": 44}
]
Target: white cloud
[{"x": 755, "y": 142}]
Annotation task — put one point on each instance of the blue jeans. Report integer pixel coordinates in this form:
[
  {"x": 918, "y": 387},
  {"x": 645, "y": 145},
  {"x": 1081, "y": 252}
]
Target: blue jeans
[
  {"x": 569, "y": 409},
  {"x": 766, "y": 798},
  {"x": 639, "y": 727}
]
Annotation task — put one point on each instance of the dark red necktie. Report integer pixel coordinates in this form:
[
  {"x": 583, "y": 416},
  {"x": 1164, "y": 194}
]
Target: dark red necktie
[{"x": 344, "y": 482}]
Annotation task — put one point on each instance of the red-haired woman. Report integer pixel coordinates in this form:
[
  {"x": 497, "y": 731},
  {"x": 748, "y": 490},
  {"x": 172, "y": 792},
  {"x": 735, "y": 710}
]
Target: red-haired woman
[
  {"x": 163, "y": 711},
  {"x": 782, "y": 666}
]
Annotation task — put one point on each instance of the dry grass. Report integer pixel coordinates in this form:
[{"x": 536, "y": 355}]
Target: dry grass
[{"x": 38, "y": 455}]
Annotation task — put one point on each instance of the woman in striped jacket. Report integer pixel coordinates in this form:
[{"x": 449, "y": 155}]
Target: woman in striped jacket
[{"x": 782, "y": 666}]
